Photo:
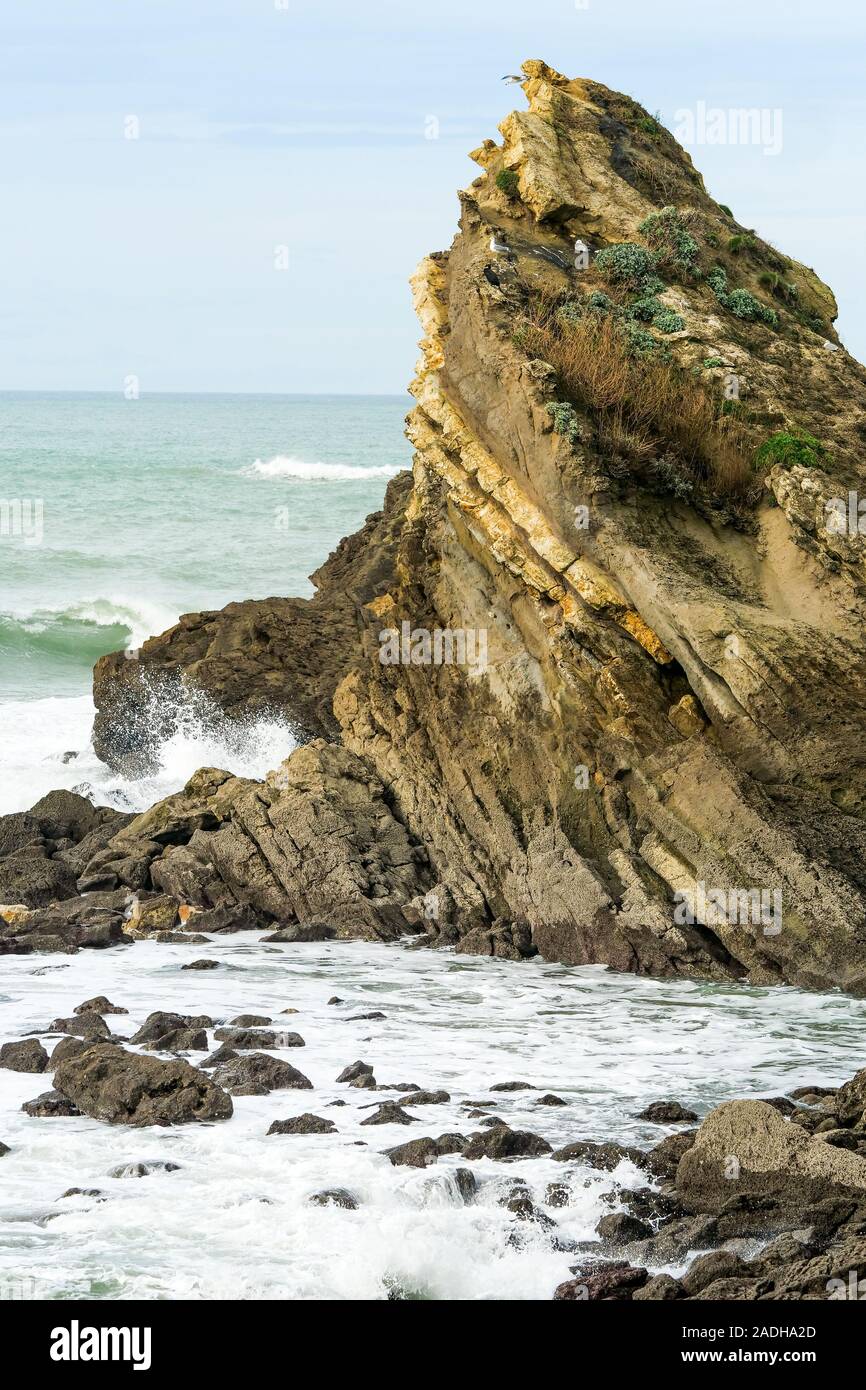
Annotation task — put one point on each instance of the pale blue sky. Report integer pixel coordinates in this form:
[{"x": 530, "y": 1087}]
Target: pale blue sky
[{"x": 304, "y": 126}]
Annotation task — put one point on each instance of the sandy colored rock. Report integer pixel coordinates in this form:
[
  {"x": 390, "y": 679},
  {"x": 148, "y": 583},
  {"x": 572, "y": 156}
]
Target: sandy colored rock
[{"x": 746, "y": 1146}]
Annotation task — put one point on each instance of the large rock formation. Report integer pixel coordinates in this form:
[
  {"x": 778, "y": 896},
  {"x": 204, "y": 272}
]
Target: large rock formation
[{"x": 628, "y": 698}]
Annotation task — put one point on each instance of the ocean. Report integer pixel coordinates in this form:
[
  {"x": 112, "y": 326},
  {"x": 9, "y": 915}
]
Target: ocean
[{"x": 131, "y": 512}]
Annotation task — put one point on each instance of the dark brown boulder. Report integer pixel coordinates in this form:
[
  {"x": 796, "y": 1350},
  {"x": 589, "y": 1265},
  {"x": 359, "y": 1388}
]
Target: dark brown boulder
[
  {"x": 601, "y": 1283},
  {"x": 667, "y": 1112},
  {"x": 603, "y": 1156},
  {"x": 119, "y": 1087},
  {"x": 255, "y": 1073},
  {"x": 303, "y": 1124},
  {"x": 50, "y": 1105},
  {"x": 158, "y": 1024},
  {"x": 502, "y": 1142},
  {"x": 28, "y": 1055}
]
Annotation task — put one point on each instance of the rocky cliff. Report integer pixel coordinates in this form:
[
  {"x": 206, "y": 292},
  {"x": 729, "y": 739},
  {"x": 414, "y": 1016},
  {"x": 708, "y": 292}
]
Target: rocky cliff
[{"x": 593, "y": 684}]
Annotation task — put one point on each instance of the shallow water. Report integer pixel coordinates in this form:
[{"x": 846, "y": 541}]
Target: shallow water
[{"x": 235, "y": 1221}]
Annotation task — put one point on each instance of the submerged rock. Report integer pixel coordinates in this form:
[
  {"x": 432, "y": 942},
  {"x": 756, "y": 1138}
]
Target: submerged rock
[{"x": 335, "y": 1197}]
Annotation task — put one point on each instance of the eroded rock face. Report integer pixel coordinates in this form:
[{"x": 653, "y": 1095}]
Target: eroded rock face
[
  {"x": 120, "y": 1088},
  {"x": 672, "y": 696},
  {"x": 746, "y": 1149}
]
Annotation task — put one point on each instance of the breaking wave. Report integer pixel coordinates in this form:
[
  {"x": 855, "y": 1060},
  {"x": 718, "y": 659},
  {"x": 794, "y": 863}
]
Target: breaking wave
[{"x": 286, "y": 466}]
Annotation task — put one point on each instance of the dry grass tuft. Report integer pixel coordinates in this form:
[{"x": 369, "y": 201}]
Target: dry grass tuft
[{"x": 643, "y": 407}]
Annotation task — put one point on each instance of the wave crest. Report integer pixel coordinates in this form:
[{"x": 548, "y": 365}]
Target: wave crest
[{"x": 287, "y": 466}]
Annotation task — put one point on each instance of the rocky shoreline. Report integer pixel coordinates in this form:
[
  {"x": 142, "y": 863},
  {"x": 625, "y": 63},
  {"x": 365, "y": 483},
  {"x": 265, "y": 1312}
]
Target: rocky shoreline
[{"x": 761, "y": 1200}]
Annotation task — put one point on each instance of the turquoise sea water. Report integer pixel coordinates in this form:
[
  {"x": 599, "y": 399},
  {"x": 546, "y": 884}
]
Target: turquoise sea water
[{"x": 135, "y": 511}]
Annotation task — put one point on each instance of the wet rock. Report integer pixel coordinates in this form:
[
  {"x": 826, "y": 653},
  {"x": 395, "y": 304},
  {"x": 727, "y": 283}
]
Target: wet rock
[
  {"x": 203, "y": 964},
  {"x": 151, "y": 914},
  {"x": 557, "y": 1194},
  {"x": 452, "y": 1144},
  {"x": 667, "y": 1112},
  {"x": 303, "y": 1124},
  {"x": 707, "y": 1269},
  {"x": 67, "y": 1047},
  {"x": 179, "y": 938},
  {"x": 675, "y": 1240},
  {"x": 35, "y": 880},
  {"x": 782, "y": 1104},
  {"x": 364, "y": 1018},
  {"x": 50, "y": 1105},
  {"x": 850, "y": 1100},
  {"x": 221, "y": 921},
  {"x": 603, "y": 1156},
  {"x": 784, "y": 1250},
  {"x": 646, "y": 1204},
  {"x": 335, "y": 999},
  {"x": 158, "y": 1024},
  {"x": 119, "y": 1087},
  {"x": 28, "y": 1055},
  {"x": 4, "y": 1150},
  {"x": 417, "y": 1097},
  {"x": 335, "y": 1197},
  {"x": 663, "y": 1159},
  {"x": 99, "y": 1005},
  {"x": 550, "y": 1099},
  {"x": 518, "y": 1201},
  {"x": 356, "y": 1069},
  {"x": 810, "y": 1094},
  {"x": 601, "y": 1283},
  {"x": 295, "y": 931},
  {"x": 252, "y": 1020},
  {"x": 180, "y": 1040},
  {"x": 390, "y": 1113},
  {"x": 83, "y": 1192},
  {"x": 364, "y": 1083},
  {"x": 662, "y": 1288},
  {"x": 221, "y": 1054},
  {"x": 512, "y": 1086},
  {"x": 466, "y": 1184},
  {"x": 85, "y": 1025},
  {"x": 246, "y": 1039},
  {"x": 255, "y": 1073},
  {"x": 288, "y": 1011},
  {"x": 417, "y": 1153},
  {"x": 502, "y": 1142},
  {"x": 143, "y": 1169},
  {"x": 621, "y": 1229},
  {"x": 505, "y": 941}
]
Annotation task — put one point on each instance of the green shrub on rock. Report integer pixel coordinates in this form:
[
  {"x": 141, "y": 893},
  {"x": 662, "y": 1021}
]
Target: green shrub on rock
[
  {"x": 565, "y": 420},
  {"x": 669, "y": 237},
  {"x": 790, "y": 447},
  {"x": 626, "y": 263},
  {"x": 507, "y": 182}
]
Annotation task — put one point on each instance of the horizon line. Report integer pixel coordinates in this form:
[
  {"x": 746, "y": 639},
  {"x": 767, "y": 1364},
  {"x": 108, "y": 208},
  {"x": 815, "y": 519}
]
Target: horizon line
[{"x": 292, "y": 395}]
